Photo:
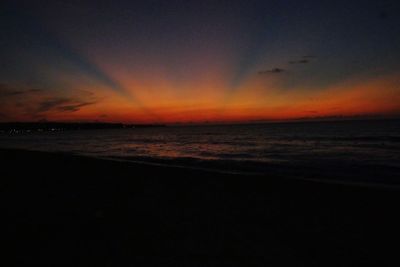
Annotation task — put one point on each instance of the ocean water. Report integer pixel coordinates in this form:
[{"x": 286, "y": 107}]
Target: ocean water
[{"x": 252, "y": 148}]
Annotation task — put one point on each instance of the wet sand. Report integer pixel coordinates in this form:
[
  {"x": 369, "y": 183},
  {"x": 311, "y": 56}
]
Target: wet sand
[{"x": 63, "y": 210}]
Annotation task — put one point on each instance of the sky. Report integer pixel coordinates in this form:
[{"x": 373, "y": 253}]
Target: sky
[{"x": 198, "y": 61}]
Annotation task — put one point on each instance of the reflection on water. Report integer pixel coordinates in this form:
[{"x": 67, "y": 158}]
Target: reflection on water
[{"x": 371, "y": 142}]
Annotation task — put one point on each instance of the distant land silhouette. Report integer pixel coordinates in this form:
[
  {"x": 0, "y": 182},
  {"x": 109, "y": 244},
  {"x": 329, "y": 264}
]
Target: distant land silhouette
[{"x": 63, "y": 126}]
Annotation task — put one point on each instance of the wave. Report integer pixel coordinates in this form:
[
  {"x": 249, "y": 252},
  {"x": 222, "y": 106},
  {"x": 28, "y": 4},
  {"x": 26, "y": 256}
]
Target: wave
[
  {"x": 331, "y": 170},
  {"x": 394, "y": 139}
]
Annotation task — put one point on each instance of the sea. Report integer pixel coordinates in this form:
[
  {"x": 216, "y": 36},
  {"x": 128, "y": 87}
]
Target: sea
[{"x": 349, "y": 150}]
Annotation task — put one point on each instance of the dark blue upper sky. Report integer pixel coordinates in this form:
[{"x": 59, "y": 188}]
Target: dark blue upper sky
[{"x": 316, "y": 44}]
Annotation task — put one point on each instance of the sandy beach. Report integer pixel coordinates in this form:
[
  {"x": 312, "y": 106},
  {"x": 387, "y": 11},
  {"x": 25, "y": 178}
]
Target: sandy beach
[{"x": 64, "y": 210}]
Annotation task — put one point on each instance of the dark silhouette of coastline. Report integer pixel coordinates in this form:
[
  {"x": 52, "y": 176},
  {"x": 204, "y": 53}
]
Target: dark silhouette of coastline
[
  {"x": 65, "y": 210},
  {"x": 63, "y": 126}
]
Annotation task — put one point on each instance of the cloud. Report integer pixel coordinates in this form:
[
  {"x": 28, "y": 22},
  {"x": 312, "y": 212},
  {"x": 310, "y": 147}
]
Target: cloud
[
  {"x": 59, "y": 104},
  {"x": 272, "y": 71},
  {"x": 18, "y": 102},
  {"x": 304, "y": 60},
  {"x": 8, "y": 91},
  {"x": 301, "y": 61},
  {"x": 52, "y": 103},
  {"x": 75, "y": 107}
]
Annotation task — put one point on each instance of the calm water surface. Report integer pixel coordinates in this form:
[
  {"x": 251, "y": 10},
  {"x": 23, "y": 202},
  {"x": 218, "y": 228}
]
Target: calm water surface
[{"x": 353, "y": 142}]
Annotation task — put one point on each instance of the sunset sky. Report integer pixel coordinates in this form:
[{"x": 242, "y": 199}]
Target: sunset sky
[{"x": 198, "y": 61}]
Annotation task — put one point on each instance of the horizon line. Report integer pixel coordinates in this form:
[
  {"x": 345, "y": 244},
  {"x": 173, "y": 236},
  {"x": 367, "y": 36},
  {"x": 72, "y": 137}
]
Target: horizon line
[{"x": 200, "y": 123}]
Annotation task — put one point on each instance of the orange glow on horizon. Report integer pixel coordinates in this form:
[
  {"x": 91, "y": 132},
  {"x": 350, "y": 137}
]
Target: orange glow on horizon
[{"x": 159, "y": 101}]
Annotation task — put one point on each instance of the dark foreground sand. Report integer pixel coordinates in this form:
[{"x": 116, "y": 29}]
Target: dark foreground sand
[{"x": 75, "y": 211}]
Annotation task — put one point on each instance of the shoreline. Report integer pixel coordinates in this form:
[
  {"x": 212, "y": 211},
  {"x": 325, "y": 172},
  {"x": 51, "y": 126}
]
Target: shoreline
[{"x": 304, "y": 173}]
